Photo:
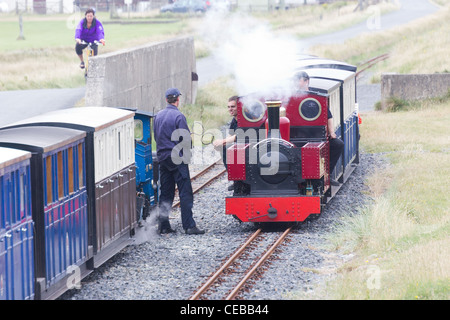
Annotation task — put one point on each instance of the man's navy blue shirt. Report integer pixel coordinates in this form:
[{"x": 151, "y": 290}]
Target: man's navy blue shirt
[{"x": 165, "y": 123}]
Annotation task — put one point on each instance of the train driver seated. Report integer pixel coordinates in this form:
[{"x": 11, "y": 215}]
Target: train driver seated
[{"x": 302, "y": 79}]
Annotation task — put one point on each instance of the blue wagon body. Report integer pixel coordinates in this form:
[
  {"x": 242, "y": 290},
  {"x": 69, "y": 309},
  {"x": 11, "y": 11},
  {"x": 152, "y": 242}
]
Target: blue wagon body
[
  {"x": 145, "y": 166},
  {"x": 59, "y": 203},
  {"x": 16, "y": 226}
]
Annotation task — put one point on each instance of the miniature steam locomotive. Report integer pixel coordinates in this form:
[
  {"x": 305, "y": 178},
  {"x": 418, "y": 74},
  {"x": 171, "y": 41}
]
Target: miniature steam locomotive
[{"x": 280, "y": 163}]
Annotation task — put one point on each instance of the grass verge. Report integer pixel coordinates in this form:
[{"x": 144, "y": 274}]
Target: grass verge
[{"x": 401, "y": 241}]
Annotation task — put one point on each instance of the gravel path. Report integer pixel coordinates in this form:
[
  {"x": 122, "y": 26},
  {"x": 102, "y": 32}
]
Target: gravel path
[{"x": 171, "y": 267}]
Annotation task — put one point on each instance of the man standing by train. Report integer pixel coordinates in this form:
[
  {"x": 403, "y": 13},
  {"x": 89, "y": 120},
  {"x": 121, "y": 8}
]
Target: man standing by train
[
  {"x": 230, "y": 139},
  {"x": 173, "y": 143},
  {"x": 232, "y": 109}
]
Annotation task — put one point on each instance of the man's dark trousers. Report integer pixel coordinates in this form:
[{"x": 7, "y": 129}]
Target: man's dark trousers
[
  {"x": 336, "y": 147},
  {"x": 169, "y": 175}
]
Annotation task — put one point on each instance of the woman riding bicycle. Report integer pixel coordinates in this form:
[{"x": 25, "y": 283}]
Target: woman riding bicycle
[{"x": 88, "y": 30}]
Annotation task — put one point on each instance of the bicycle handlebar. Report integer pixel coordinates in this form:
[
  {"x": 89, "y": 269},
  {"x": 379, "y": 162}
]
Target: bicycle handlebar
[{"x": 90, "y": 43}]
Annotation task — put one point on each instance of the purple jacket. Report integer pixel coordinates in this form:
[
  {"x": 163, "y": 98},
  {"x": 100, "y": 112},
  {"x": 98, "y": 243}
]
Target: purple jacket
[{"x": 89, "y": 35}]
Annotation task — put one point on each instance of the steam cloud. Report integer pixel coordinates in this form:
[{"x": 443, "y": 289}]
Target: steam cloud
[
  {"x": 148, "y": 232},
  {"x": 248, "y": 49}
]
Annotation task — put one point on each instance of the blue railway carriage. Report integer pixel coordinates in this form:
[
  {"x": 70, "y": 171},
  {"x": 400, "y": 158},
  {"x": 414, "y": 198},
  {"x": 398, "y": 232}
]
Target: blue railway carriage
[
  {"x": 110, "y": 172},
  {"x": 16, "y": 226},
  {"x": 58, "y": 205}
]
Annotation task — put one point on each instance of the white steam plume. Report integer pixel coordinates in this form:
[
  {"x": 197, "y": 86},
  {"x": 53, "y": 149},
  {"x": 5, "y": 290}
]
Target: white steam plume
[
  {"x": 148, "y": 231},
  {"x": 249, "y": 50}
]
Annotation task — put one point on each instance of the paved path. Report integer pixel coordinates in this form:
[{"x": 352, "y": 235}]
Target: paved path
[
  {"x": 409, "y": 10},
  {"x": 22, "y": 104},
  {"x": 17, "y": 105}
]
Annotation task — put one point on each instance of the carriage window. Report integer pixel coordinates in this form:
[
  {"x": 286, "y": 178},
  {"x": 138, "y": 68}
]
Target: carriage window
[
  {"x": 11, "y": 202},
  {"x": 119, "y": 145},
  {"x": 60, "y": 175},
  {"x": 138, "y": 130},
  {"x": 22, "y": 197},
  {"x": 48, "y": 177},
  {"x": 310, "y": 109},
  {"x": 80, "y": 165},
  {"x": 253, "y": 110},
  {"x": 71, "y": 171},
  {"x": 2, "y": 215}
]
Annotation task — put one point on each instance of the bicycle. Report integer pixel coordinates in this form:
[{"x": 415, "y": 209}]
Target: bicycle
[{"x": 89, "y": 52}]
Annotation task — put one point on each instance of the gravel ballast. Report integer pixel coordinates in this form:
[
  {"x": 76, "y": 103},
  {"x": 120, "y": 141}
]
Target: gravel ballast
[{"x": 173, "y": 266}]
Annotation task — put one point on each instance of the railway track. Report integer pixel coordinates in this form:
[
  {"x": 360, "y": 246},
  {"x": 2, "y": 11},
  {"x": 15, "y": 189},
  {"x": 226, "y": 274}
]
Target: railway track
[
  {"x": 203, "y": 178},
  {"x": 243, "y": 265},
  {"x": 370, "y": 63}
]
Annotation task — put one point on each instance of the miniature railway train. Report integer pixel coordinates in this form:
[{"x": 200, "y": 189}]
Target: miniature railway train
[
  {"x": 75, "y": 183},
  {"x": 295, "y": 144}
]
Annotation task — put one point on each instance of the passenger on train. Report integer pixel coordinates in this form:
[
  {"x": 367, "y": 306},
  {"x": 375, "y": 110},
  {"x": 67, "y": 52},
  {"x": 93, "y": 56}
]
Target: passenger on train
[
  {"x": 173, "y": 157},
  {"x": 303, "y": 81},
  {"x": 336, "y": 144}
]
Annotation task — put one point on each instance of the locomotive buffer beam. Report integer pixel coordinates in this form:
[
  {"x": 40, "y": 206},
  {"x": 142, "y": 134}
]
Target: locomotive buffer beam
[{"x": 271, "y": 213}]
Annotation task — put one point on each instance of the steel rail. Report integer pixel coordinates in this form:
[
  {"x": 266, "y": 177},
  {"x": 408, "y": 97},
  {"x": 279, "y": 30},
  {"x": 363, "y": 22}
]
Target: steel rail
[
  {"x": 199, "y": 174},
  {"x": 268, "y": 253},
  {"x": 209, "y": 181},
  {"x": 214, "y": 277},
  {"x": 176, "y": 204},
  {"x": 371, "y": 62}
]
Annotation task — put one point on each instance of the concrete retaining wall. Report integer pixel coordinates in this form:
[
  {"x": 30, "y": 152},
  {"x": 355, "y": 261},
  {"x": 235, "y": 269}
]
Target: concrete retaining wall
[
  {"x": 414, "y": 86},
  {"x": 138, "y": 77}
]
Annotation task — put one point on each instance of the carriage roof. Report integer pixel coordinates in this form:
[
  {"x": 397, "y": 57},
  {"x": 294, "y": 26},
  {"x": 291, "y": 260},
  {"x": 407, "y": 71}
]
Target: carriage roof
[
  {"x": 330, "y": 74},
  {"x": 89, "y": 119},
  {"x": 324, "y": 86},
  {"x": 311, "y": 62},
  {"x": 9, "y": 156},
  {"x": 39, "y": 139}
]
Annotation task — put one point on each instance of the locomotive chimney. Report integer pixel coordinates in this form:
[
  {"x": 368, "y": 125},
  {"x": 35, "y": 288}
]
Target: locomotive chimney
[{"x": 273, "y": 117}]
